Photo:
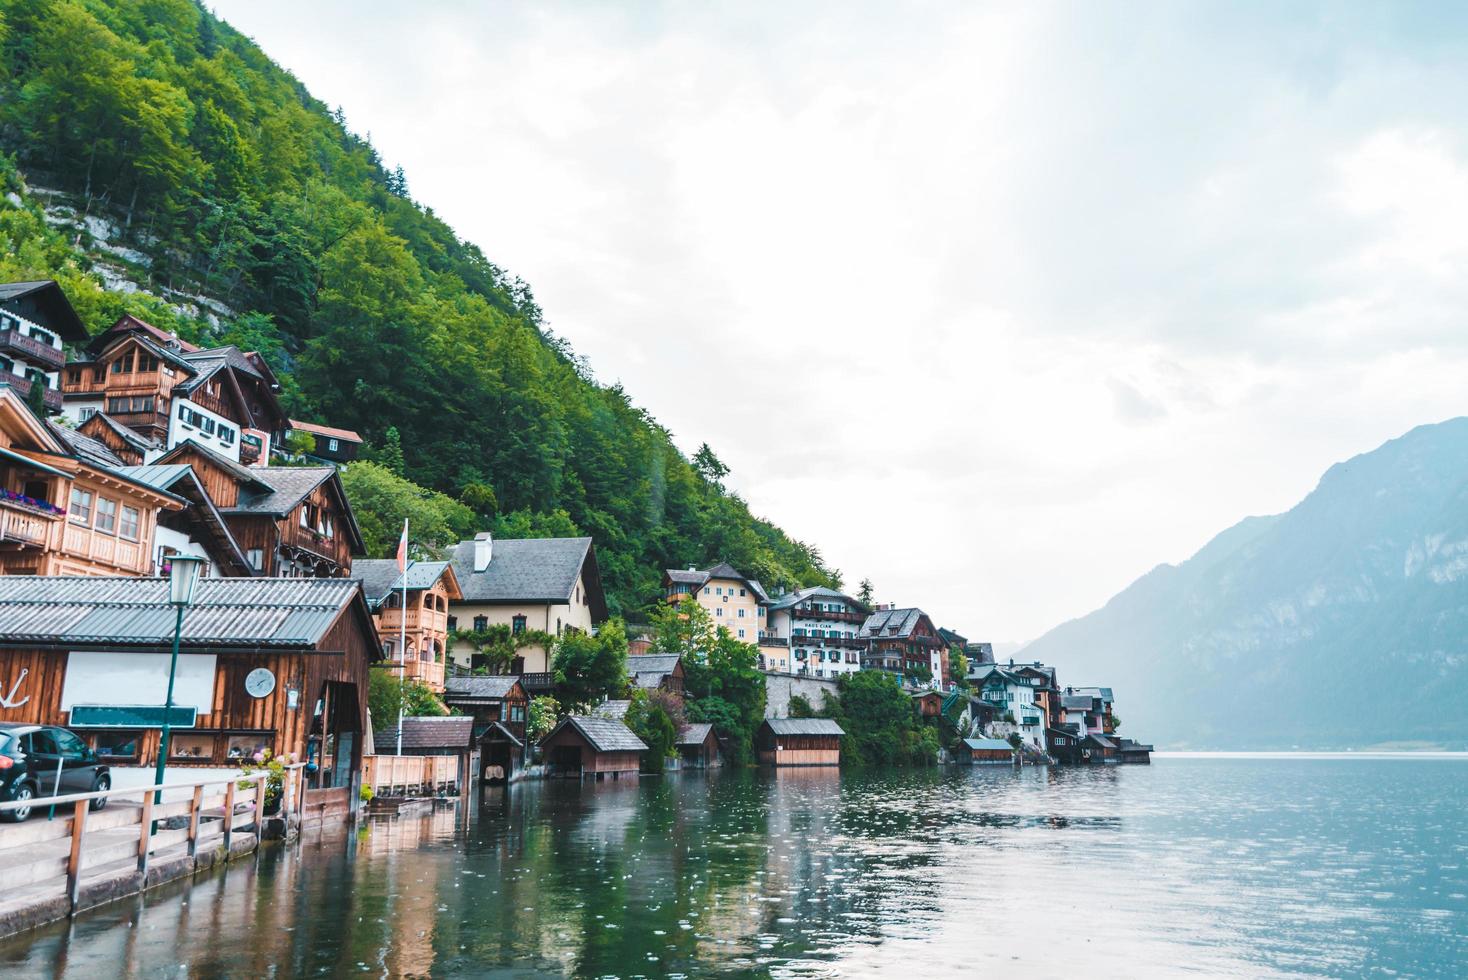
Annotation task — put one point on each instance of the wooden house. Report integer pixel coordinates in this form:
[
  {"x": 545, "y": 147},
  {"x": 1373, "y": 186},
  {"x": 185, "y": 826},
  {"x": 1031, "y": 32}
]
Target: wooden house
[
  {"x": 500, "y": 707},
  {"x": 131, "y": 448},
  {"x": 986, "y": 751},
  {"x": 430, "y": 735},
  {"x": 906, "y": 643},
  {"x": 929, "y": 704},
  {"x": 171, "y": 391},
  {"x": 290, "y": 521},
  {"x": 333, "y": 445},
  {"x": 1131, "y": 752},
  {"x": 799, "y": 742},
  {"x": 654, "y": 671},
  {"x": 36, "y": 320},
  {"x": 583, "y": 747},
  {"x": 64, "y": 508},
  {"x": 414, "y": 635},
  {"x": 198, "y": 529},
  {"x": 277, "y": 664},
  {"x": 698, "y": 746}
]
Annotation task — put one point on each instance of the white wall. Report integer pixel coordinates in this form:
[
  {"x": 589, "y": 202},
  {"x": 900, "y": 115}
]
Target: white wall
[
  {"x": 179, "y": 431},
  {"x": 179, "y": 542}
]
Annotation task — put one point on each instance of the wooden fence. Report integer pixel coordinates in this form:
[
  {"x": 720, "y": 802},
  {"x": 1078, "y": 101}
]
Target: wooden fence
[
  {"x": 78, "y": 846},
  {"x": 404, "y": 775}
]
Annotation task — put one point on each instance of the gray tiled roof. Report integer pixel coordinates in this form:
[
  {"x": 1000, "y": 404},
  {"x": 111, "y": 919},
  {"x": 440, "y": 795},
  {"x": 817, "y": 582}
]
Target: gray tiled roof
[
  {"x": 289, "y": 485},
  {"x": 694, "y": 734},
  {"x": 136, "y": 439},
  {"x": 818, "y": 592},
  {"x": 480, "y": 688},
  {"x": 1104, "y": 693},
  {"x": 698, "y": 576},
  {"x": 662, "y": 663},
  {"x": 804, "y": 726},
  {"x": 615, "y": 709},
  {"x": 427, "y": 732},
  {"x": 59, "y": 315},
  {"x": 538, "y": 570},
  {"x": 879, "y": 623},
  {"x": 248, "y": 476},
  {"x": 604, "y": 734},
  {"x": 86, "y": 448},
  {"x": 1077, "y": 702},
  {"x": 380, "y": 576},
  {"x": 283, "y": 612}
]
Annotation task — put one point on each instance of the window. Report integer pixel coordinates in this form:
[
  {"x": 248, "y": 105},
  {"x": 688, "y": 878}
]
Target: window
[
  {"x": 226, "y": 434},
  {"x": 453, "y": 622},
  {"x": 245, "y": 746},
  {"x": 124, "y": 364},
  {"x": 741, "y": 612},
  {"x": 718, "y": 610},
  {"x": 200, "y": 747},
  {"x": 481, "y": 623},
  {"x": 741, "y": 593},
  {"x": 517, "y": 625},
  {"x": 129, "y": 528},
  {"x": 741, "y": 632},
  {"x": 88, "y": 413},
  {"x": 147, "y": 362},
  {"x": 256, "y": 558},
  {"x": 718, "y": 590},
  {"x": 517, "y": 712},
  {"x": 81, "y": 506},
  {"x": 558, "y": 626},
  {"x": 71, "y": 747},
  {"x": 106, "y": 514},
  {"x": 332, "y": 445},
  {"x": 117, "y": 745}
]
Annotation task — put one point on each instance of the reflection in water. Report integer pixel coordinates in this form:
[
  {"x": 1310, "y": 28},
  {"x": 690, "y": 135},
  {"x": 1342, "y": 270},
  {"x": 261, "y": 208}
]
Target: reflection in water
[{"x": 1244, "y": 867}]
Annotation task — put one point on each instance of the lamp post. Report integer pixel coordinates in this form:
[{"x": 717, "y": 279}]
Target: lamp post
[{"x": 183, "y": 574}]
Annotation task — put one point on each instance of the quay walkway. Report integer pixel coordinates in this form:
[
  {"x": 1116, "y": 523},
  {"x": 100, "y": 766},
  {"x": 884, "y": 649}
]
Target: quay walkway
[{"x": 68, "y": 857}]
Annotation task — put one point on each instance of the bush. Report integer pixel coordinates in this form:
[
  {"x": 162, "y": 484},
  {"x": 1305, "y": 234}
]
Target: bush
[{"x": 651, "y": 720}]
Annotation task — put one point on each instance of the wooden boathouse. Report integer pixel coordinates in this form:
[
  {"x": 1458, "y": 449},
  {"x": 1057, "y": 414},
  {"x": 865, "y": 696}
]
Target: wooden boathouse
[
  {"x": 582, "y": 746},
  {"x": 799, "y": 742},
  {"x": 986, "y": 751},
  {"x": 698, "y": 746}
]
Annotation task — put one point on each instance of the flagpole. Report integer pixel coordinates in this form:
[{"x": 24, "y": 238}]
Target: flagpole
[{"x": 403, "y": 634}]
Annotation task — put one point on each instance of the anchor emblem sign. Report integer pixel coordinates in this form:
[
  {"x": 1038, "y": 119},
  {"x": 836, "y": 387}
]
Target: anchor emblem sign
[{"x": 8, "y": 701}]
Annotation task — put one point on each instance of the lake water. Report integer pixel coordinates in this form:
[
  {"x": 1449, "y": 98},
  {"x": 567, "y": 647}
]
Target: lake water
[{"x": 1251, "y": 866}]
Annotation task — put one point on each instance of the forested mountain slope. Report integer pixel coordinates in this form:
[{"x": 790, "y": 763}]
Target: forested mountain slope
[
  {"x": 156, "y": 161},
  {"x": 1341, "y": 623}
]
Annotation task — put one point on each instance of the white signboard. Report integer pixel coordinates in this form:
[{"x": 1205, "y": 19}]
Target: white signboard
[{"x": 138, "y": 678}]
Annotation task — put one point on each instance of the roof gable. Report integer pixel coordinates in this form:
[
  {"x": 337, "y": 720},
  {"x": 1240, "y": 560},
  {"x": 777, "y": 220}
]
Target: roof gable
[
  {"x": 531, "y": 570},
  {"x": 46, "y": 298},
  {"x": 602, "y": 734}
]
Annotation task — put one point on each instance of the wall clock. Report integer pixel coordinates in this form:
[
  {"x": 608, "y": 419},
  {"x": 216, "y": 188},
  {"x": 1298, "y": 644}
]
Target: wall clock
[{"x": 259, "y": 682}]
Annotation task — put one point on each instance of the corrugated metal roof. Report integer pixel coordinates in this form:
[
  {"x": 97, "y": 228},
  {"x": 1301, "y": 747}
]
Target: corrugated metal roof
[
  {"x": 804, "y": 726},
  {"x": 287, "y": 612}
]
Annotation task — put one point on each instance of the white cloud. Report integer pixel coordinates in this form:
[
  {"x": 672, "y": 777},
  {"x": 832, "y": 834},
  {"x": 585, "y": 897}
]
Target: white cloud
[{"x": 998, "y": 305}]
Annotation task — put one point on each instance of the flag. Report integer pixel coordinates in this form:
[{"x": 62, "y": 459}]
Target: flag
[{"x": 403, "y": 548}]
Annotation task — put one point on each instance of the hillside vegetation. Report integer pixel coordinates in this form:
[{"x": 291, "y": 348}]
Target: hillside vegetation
[
  {"x": 1340, "y": 623},
  {"x": 245, "y": 211}
]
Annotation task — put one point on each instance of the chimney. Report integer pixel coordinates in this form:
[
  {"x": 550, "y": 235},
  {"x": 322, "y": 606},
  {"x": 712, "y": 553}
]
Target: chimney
[{"x": 483, "y": 550}]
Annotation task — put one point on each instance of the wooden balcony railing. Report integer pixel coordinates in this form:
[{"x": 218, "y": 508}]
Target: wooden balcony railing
[
  {"x": 35, "y": 352},
  {"x": 24, "y": 524},
  {"x": 22, "y": 386},
  {"x": 840, "y": 617},
  {"x": 538, "y": 682},
  {"x": 430, "y": 672}
]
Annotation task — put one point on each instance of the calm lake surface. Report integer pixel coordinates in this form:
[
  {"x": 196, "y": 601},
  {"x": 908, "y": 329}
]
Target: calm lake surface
[{"x": 1253, "y": 866}]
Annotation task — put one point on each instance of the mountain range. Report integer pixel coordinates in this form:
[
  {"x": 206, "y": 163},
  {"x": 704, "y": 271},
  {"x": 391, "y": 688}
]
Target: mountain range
[{"x": 1342, "y": 623}]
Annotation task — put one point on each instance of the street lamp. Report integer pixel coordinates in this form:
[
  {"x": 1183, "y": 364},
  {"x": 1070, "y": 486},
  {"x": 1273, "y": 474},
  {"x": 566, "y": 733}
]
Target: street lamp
[{"x": 183, "y": 574}]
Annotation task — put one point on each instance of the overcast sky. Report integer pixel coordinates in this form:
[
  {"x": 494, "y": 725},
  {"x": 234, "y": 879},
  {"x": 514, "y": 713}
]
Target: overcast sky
[{"x": 999, "y": 306}]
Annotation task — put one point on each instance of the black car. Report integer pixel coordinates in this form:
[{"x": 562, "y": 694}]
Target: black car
[{"x": 43, "y": 760}]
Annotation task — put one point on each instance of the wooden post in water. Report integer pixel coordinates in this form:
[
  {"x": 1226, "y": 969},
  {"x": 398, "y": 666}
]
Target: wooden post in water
[
  {"x": 74, "y": 862},
  {"x": 195, "y": 806},
  {"x": 228, "y": 816},
  {"x": 145, "y": 834}
]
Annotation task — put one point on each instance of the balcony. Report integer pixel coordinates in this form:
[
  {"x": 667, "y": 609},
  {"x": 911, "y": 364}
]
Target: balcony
[
  {"x": 851, "y": 642},
  {"x": 24, "y": 526},
  {"x": 429, "y": 672},
  {"x": 840, "y": 617},
  {"x": 538, "y": 683},
  {"x": 22, "y": 386},
  {"x": 32, "y": 350},
  {"x": 251, "y": 447},
  {"x": 771, "y": 640}
]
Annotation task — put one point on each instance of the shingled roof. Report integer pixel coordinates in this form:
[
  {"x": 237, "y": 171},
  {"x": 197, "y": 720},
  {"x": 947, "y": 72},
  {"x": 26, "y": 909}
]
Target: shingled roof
[
  {"x": 427, "y": 732},
  {"x": 602, "y": 734},
  {"x": 78, "y": 611},
  {"x": 492, "y": 688},
  {"x": 48, "y": 296},
  {"x": 697, "y": 577},
  {"x": 694, "y": 734},
  {"x": 804, "y": 726},
  {"x": 380, "y": 576},
  {"x": 817, "y": 592},
  {"x": 879, "y": 624},
  {"x": 531, "y": 570},
  {"x": 287, "y": 487}
]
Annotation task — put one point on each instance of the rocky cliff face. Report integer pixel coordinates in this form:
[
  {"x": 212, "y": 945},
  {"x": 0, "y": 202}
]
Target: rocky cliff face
[{"x": 1341, "y": 623}]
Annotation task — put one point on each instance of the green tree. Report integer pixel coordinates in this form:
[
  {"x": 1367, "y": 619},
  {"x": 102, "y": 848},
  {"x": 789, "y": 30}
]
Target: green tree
[
  {"x": 652, "y": 722},
  {"x": 542, "y": 716},
  {"x": 866, "y": 592},
  {"x": 382, "y": 500},
  {"x": 385, "y": 692},
  {"x": 590, "y": 669},
  {"x": 881, "y": 722}
]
